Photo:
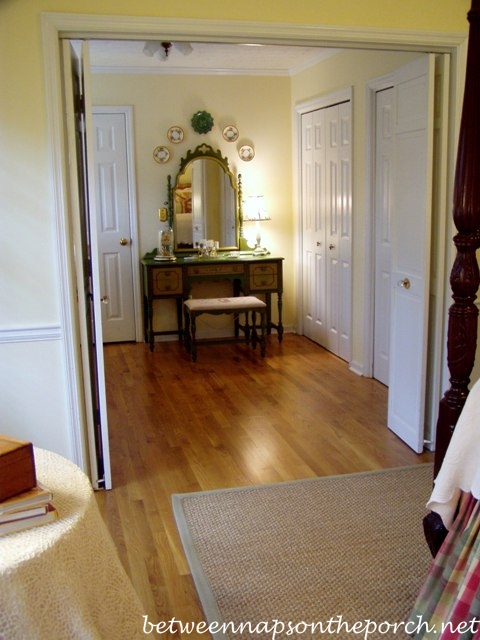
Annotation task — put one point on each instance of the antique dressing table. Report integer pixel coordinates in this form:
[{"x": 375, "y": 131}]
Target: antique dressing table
[
  {"x": 205, "y": 202},
  {"x": 248, "y": 273}
]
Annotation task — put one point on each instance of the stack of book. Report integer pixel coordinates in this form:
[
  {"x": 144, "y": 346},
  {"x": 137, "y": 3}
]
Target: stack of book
[
  {"x": 24, "y": 502},
  {"x": 28, "y": 509}
]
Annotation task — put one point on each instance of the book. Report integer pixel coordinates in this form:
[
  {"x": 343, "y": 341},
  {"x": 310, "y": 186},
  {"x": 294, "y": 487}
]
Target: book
[
  {"x": 14, "y": 526},
  {"x": 37, "y": 496},
  {"x": 23, "y": 513}
]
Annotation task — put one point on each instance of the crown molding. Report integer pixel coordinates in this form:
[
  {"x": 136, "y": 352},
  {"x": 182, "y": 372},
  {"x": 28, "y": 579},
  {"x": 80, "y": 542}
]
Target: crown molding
[{"x": 70, "y": 25}]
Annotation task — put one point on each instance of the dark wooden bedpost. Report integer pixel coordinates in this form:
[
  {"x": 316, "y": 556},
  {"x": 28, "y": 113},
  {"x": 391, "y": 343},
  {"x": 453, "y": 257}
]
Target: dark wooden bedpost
[{"x": 464, "y": 277}]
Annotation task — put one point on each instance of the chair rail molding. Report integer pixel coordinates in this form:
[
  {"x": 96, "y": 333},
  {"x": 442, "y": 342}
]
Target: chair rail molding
[{"x": 30, "y": 334}]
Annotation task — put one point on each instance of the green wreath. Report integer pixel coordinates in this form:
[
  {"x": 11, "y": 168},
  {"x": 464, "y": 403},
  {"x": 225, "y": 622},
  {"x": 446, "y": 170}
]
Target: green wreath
[{"x": 202, "y": 122}]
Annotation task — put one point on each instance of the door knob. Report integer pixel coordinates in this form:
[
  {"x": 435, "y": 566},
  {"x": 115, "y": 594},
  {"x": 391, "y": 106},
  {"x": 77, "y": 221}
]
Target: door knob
[
  {"x": 405, "y": 283},
  {"x": 331, "y": 246},
  {"x": 318, "y": 243},
  {"x": 123, "y": 241},
  {"x": 104, "y": 299}
]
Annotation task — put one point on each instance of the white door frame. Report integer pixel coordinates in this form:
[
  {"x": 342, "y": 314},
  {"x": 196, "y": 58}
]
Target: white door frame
[
  {"x": 127, "y": 111},
  {"x": 319, "y": 102},
  {"x": 55, "y": 26}
]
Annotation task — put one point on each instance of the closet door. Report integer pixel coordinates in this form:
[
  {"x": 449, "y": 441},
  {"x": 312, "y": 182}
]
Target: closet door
[
  {"x": 326, "y": 227},
  {"x": 338, "y": 224},
  {"x": 384, "y": 173},
  {"x": 411, "y": 230},
  {"x": 313, "y": 229}
]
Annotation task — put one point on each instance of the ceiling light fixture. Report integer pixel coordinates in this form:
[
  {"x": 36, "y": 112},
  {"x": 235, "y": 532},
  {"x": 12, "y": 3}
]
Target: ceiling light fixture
[{"x": 163, "y": 49}]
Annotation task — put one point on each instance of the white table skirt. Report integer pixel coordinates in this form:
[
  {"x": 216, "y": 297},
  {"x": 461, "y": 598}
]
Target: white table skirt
[{"x": 64, "y": 579}]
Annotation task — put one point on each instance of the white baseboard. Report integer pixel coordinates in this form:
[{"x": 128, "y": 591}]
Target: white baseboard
[{"x": 356, "y": 367}]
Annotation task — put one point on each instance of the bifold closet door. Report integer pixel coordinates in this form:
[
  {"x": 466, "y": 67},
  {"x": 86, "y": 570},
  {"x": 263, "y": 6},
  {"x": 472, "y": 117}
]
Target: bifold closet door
[{"x": 326, "y": 226}]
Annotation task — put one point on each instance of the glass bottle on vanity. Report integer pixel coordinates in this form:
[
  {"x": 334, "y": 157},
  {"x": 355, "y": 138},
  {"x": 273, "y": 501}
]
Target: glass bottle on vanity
[{"x": 165, "y": 246}]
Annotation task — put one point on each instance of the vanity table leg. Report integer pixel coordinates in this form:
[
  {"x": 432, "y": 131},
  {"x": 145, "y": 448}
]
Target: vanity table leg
[
  {"x": 145, "y": 318},
  {"x": 268, "y": 300},
  {"x": 280, "y": 325},
  {"x": 179, "y": 302},
  {"x": 150, "y": 325},
  {"x": 263, "y": 341},
  {"x": 187, "y": 331}
]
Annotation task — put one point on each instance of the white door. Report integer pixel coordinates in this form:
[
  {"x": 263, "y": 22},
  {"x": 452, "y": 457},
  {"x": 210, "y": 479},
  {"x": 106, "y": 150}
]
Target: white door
[
  {"x": 78, "y": 106},
  {"x": 411, "y": 231},
  {"x": 326, "y": 226},
  {"x": 115, "y": 237},
  {"x": 384, "y": 173},
  {"x": 338, "y": 225},
  {"x": 313, "y": 228}
]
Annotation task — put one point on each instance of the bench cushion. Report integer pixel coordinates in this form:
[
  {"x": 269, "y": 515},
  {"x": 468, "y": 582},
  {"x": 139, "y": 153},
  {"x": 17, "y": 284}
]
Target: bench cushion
[{"x": 238, "y": 303}]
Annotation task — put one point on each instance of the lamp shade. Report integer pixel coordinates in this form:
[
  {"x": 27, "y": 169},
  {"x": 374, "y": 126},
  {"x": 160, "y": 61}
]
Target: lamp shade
[{"x": 255, "y": 209}]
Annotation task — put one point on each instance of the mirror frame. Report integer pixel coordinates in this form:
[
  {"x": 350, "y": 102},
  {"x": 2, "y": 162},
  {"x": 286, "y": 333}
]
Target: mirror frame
[{"x": 206, "y": 151}]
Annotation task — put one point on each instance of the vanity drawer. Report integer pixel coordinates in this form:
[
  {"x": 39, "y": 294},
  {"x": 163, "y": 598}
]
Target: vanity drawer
[
  {"x": 167, "y": 281},
  {"x": 202, "y": 270},
  {"x": 263, "y": 276}
]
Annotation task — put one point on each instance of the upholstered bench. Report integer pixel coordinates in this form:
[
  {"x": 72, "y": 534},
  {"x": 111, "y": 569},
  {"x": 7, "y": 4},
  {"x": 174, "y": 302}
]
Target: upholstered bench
[{"x": 237, "y": 305}]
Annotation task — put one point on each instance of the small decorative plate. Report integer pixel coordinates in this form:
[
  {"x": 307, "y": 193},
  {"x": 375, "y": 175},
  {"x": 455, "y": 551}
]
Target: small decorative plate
[
  {"x": 175, "y": 134},
  {"x": 230, "y": 133},
  {"x": 161, "y": 154},
  {"x": 246, "y": 153}
]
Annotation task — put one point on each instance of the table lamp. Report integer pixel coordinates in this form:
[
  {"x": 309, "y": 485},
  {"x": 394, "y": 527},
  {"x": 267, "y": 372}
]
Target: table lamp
[{"x": 255, "y": 211}]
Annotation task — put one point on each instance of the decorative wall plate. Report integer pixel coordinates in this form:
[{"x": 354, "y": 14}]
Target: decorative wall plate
[
  {"x": 246, "y": 153},
  {"x": 202, "y": 122},
  {"x": 161, "y": 154},
  {"x": 230, "y": 133},
  {"x": 175, "y": 134}
]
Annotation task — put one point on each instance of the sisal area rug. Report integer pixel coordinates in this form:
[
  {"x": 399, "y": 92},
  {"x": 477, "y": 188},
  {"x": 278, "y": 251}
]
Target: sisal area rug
[{"x": 317, "y": 556}]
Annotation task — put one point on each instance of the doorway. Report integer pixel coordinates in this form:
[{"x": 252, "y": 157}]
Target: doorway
[{"x": 56, "y": 26}]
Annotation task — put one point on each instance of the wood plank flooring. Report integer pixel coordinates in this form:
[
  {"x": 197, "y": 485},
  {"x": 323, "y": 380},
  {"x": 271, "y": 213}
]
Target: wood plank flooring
[{"x": 231, "y": 419}]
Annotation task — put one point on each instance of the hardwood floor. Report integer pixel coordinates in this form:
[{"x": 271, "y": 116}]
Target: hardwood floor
[{"x": 229, "y": 420}]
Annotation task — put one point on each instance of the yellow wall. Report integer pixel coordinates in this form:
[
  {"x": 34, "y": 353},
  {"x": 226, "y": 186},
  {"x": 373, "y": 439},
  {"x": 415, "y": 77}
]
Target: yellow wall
[
  {"x": 29, "y": 256},
  {"x": 260, "y": 110}
]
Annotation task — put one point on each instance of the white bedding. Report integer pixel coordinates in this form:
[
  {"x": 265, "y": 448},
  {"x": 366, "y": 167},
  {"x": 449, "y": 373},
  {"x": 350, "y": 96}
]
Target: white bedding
[{"x": 460, "y": 470}]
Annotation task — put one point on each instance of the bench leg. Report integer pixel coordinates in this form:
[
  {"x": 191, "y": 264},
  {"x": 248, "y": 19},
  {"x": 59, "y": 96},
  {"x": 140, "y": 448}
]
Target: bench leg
[
  {"x": 246, "y": 329},
  {"x": 254, "y": 338},
  {"x": 263, "y": 341},
  {"x": 193, "y": 331},
  {"x": 187, "y": 331}
]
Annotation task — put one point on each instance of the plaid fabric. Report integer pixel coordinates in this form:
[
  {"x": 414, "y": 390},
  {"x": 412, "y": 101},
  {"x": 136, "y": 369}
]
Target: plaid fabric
[{"x": 448, "y": 605}]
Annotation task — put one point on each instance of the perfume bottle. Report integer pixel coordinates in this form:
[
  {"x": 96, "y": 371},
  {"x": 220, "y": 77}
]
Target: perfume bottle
[
  {"x": 166, "y": 242},
  {"x": 165, "y": 236}
]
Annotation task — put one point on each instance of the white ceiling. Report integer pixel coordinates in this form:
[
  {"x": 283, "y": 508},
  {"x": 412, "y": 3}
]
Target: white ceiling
[{"x": 113, "y": 56}]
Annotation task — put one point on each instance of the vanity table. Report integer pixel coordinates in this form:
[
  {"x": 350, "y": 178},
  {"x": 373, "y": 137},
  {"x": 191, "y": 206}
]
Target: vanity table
[
  {"x": 249, "y": 274},
  {"x": 205, "y": 201}
]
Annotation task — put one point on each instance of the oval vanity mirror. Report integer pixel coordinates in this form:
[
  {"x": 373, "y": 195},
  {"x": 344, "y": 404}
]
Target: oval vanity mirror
[{"x": 204, "y": 200}]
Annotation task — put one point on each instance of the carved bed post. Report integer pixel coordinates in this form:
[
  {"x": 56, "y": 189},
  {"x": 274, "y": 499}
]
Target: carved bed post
[{"x": 464, "y": 277}]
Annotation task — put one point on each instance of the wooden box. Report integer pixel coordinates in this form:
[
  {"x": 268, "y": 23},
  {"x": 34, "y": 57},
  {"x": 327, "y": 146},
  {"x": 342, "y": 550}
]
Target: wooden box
[{"x": 17, "y": 467}]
